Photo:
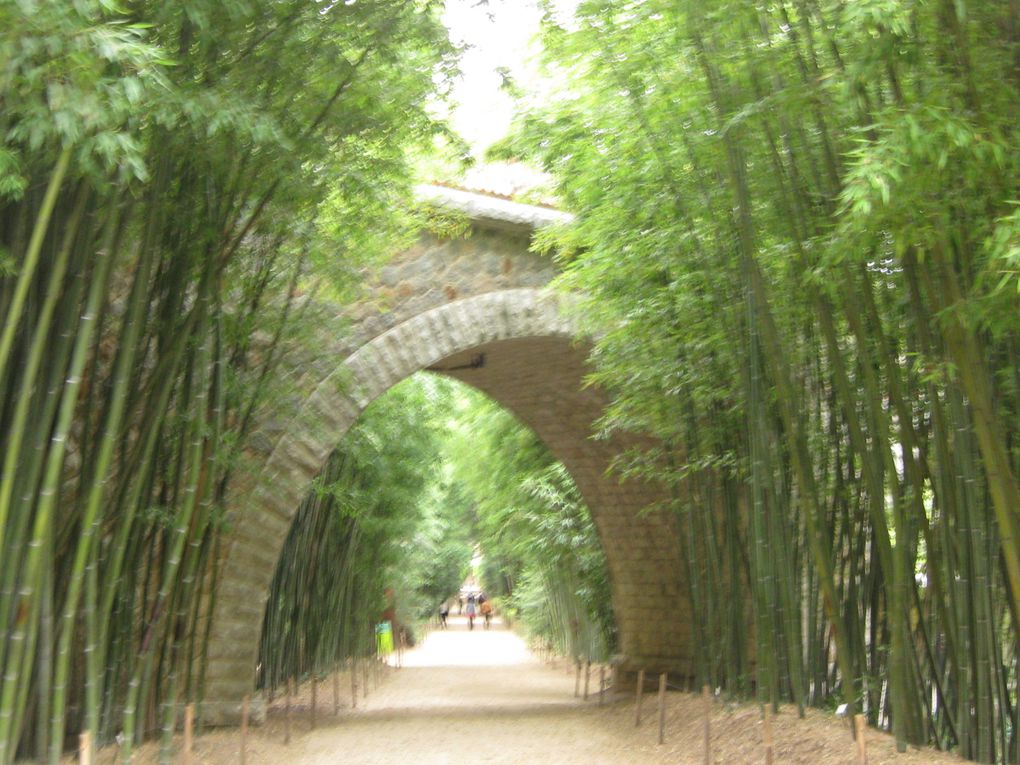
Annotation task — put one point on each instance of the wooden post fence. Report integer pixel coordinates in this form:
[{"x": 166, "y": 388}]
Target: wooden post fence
[
  {"x": 640, "y": 693},
  {"x": 315, "y": 688},
  {"x": 577, "y": 678},
  {"x": 85, "y": 748},
  {"x": 336, "y": 691},
  {"x": 706, "y": 694},
  {"x": 587, "y": 676},
  {"x": 767, "y": 735},
  {"x": 245, "y": 712},
  {"x": 662, "y": 708},
  {"x": 286, "y": 712},
  {"x": 189, "y": 727},
  {"x": 354, "y": 683},
  {"x": 860, "y": 725}
]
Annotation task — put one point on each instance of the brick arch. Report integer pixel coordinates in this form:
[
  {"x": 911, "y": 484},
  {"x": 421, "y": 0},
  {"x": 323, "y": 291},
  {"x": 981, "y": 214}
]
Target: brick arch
[{"x": 517, "y": 346}]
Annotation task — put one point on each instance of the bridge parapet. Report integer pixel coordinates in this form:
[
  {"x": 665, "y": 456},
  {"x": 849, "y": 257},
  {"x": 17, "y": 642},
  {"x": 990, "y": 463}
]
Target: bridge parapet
[{"x": 492, "y": 255}]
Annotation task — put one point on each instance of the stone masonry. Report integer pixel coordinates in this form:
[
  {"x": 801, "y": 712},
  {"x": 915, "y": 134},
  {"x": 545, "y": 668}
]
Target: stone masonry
[{"x": 477, "y": 309}]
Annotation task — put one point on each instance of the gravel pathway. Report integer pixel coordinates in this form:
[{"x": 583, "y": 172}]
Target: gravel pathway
[{"x": 467, "y": 696}]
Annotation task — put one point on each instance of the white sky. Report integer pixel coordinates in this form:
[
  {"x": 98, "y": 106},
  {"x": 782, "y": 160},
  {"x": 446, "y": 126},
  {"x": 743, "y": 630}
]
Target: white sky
[{"x": 501, "y": 34}]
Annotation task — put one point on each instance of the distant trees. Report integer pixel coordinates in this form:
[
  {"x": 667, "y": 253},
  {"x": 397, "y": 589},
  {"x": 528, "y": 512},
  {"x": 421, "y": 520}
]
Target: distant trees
[{"x": 541, "y": 555}]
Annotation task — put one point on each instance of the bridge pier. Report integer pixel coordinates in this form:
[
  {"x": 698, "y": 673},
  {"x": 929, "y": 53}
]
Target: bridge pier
[{"x": 219, "y": 713}]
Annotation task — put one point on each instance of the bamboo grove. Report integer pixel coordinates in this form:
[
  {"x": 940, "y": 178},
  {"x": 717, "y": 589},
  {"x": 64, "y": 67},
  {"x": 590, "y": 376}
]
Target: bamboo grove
[
  {"x": 173, "y": 178},
  {"x": 797, "y": 226}
]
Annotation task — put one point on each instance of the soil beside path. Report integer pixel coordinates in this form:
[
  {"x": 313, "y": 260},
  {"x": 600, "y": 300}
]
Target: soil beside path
[{"x": 480, "y": 697}]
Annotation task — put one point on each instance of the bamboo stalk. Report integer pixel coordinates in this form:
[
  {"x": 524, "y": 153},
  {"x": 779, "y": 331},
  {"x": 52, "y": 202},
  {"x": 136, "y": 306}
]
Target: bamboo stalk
[
  {"x": 163, "y": 604},
  {"x": 31, "y": 259},
  {"x": 38, "y": 347},
  {"x": 25, "y": 634}
]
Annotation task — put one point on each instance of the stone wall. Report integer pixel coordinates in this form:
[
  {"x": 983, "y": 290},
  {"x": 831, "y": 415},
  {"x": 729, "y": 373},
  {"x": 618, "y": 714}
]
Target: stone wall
[{"x": 436, "y": 271}]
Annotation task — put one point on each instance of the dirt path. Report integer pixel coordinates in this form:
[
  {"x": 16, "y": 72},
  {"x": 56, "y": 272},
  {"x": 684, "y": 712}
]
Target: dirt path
[
  {"x": 467, "y": 696},
  {"x": 480, "y": 697}
]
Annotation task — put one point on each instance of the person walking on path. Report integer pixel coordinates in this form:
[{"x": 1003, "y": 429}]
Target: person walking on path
[
  {"x": 486, "y": 610},
  {"x": 444, "y": 611},
  {"x": 470, "y": 611}
]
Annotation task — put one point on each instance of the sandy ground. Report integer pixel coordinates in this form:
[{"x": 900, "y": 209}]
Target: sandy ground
[{"x": 480, "y": 697}]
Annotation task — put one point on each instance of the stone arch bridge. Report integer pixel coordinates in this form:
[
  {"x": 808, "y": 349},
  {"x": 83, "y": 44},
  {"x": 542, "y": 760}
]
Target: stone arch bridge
[{"x": 476, "y": 308}]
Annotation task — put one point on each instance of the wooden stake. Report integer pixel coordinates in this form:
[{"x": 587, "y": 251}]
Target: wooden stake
[
  {"x": 364, "y": 678},
  {"x": 245, "y": 711},
  {"x": 602, "y": 683},
  {"x": 860, "y": 725},
  {"x": 767, "y": 735},
  {"x": 189, "y": 726},
  {"x": 286, "y": 712},
  {"x": 315, "y": 688},
  {"x": 706, "y": 694},
  {"x": 640, "y": 693},
  {"x": 354, "y": 683},
  {"x": 662, "y": 708},
  {"x": 336, "y": 691},
  {"x": 85, "y": 748},
  {"x": 577, "y": 679},
  {"x": 587, "y": 677}
]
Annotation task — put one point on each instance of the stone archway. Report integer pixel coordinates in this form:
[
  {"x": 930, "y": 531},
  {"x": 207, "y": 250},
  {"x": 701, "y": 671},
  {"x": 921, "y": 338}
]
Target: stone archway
[{"x": 518, "y": 346}]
